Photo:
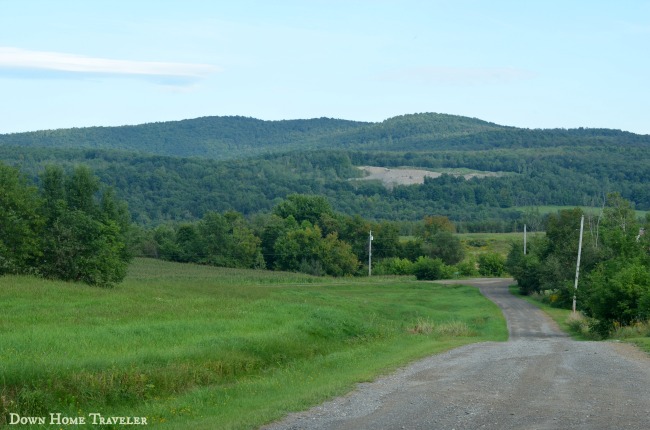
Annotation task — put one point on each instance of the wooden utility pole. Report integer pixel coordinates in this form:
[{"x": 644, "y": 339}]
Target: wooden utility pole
[
  {"x": 370, "y": 253},
  {"x": 575, "y": 287},
  {"x": 524, "y": 239}
]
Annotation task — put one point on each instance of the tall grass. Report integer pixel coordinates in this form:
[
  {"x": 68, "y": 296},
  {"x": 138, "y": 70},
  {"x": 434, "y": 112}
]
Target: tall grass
[{"x": 198, "y": 347}]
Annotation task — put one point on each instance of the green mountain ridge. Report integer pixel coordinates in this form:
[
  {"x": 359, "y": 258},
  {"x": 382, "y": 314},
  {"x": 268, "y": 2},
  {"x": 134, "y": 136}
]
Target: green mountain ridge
[
  {"x": 174, "y": 171},
  {"x": 207, "y": 137},
  {"x": 223, "y": 138}
]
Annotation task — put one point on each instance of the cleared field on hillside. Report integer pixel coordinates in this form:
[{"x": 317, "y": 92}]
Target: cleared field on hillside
[
  {"x": 197, "y": 347},
  {"x": 390, "y": 177}
]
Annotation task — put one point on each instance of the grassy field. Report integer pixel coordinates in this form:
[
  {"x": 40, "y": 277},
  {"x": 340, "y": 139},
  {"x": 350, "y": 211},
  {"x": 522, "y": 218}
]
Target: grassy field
[
  {"x": 480, "y": 243},
  {"x": 187, "y": 346}
]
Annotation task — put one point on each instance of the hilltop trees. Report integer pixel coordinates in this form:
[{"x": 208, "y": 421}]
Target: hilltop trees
[{"x": 179, "y": 171}]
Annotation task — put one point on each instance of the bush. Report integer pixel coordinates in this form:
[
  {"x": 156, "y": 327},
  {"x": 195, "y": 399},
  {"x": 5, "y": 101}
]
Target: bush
[
  {"x": 618, "y": 293},
  {"x": 467, "y": 268},
  {"x": 445, "y": 246},
  {"x": 491, "y": 264},
  {"x": 394, "y": 266},
  {"x": 525, "y": 269},
  {"x": 429, "y": 269}
]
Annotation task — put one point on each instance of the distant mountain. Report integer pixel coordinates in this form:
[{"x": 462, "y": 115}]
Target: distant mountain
[
  {"x": 223, "y": 138},
  {"x": 218, "y": 138}
]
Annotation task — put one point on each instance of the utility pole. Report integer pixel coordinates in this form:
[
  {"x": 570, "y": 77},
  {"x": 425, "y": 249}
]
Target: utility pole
[
  {"x": 575, "y": 287},
  {"x": 370, "y": 254},
  {"x": 524, "y": 239}
]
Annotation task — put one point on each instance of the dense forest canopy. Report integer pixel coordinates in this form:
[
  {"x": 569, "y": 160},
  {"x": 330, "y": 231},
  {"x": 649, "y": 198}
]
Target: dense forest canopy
[
  {"x": 235, "y": 137},
  {"x": 182, "y": 170}
]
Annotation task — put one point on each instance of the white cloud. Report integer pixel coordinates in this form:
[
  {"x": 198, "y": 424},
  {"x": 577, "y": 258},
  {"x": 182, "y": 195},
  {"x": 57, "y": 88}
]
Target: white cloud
[{"x": 43, "y": 62}]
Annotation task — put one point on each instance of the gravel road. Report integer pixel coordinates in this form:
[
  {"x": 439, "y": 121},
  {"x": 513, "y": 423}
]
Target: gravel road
[{"x": 539, "y": 379}]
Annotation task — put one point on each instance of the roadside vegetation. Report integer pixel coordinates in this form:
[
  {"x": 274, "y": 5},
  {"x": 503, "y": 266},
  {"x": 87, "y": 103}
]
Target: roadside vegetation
[
  {"x": 191, "y": 346},
  {"x": 614, "y": 285},
  {"x": 578, "y": 326}
]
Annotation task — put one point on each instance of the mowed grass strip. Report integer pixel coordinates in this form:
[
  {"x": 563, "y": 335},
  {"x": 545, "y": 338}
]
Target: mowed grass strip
[{"x": 197, "y": 347}]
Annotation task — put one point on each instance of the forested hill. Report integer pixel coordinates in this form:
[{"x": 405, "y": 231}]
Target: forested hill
[
  {"x": 174, "y": 171},
  {"x": 207, "y": 137},
  {"x": 222, "y": 138}
]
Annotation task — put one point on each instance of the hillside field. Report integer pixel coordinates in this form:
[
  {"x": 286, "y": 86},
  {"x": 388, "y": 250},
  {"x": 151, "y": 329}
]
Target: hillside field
[{"x": 188, "y": 346}]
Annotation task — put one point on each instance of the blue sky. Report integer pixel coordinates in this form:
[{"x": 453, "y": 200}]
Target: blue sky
[{"x": 535, "y": 64}]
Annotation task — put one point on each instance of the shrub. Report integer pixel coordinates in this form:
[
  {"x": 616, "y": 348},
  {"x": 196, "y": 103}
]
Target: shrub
[
  {"x": 429, "y": 269},
  {"x": 618, "y": 291},
  {"x": 394, "y": 266},
  {"x": 467, "y": 268},
  {"x": 491, "y": 264}
]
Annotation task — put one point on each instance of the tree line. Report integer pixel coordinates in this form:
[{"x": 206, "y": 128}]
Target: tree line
[{"x": 302, "y": 233}]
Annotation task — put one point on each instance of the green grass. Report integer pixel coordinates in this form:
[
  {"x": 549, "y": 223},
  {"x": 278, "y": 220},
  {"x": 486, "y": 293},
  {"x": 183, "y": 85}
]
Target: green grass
[{"x": 197, "y": 347}]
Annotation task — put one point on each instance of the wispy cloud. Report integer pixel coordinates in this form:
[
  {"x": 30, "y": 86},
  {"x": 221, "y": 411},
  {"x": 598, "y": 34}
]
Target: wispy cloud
[
  {"x": 459, "y": 75},
  {"x": 18, "y": 62}
]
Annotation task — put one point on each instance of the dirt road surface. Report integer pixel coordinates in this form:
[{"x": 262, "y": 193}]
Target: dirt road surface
[{"x": 539, "y": 379}]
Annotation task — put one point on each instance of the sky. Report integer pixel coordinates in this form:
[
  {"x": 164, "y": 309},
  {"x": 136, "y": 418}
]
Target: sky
[{"x": 532, "y": 64}]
